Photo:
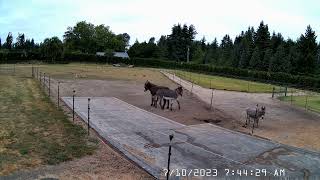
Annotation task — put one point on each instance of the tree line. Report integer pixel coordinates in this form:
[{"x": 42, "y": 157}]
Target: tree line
[
  {"x": 82, "y": 38},
  {"x": 251, "y": 49}
]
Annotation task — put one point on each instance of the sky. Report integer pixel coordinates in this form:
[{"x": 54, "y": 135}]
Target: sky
[{"x": 143, "y": 19}]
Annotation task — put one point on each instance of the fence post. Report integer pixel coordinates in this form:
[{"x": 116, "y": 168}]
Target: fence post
[
  {"x": 285, "y": 91},
  {"x": 58, "y": 93},
  {"x": 273, "y": 89},
  {"x": 32, "y": 71},
  {"x": 88, "y": 116},
  {"x": 306, "y": 104},
  {"x": 291, "y": 96},
  {"x": 44, "y": 81},
  {"x": 40, "y": 80},
  {"x": 73, "y": 105},
  {"x": 211, "y": 99},
  {"x": 49, "y": 85},
  {"x": 169, "y": 154}
]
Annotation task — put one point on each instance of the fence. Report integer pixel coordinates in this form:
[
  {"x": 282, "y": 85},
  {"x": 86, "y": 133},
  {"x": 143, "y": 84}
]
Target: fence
[
  {"x": 7, "y": 69},
  {"x": 307, "y": 99}
]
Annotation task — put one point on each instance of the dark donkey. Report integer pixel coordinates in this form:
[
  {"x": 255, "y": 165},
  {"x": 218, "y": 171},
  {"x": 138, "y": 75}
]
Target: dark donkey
[
  {"x": 153, "y": 90},
  {"x": 169, "y": 95}
]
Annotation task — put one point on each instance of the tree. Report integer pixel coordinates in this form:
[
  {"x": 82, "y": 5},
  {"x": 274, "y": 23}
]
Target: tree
[
  {"x": 255, "y": 59},
  {"x": 163, "y": 46},
  {"x": 226, "y": 51},
  {"x": 262, "y": 43},
  {"x": 88, "y": 38},
  {"x": 307, "y": 48},
  {"x": 0, "y": 43},
  {"x": 20, "y": 44},
  {"x": 180, "y": 40},
  {"x": 280, "y": 61},
  {"x": 52, "y": 48},
  {"x": 9, "y": 40}
]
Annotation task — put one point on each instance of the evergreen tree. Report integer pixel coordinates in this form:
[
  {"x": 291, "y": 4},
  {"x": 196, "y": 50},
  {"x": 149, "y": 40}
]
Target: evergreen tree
[
  {"x": 307, "y": 47},
  {"x": 226, "y": 51},
  {"x": 20, "y": 44},
  {"x": 262, "y": 42},
  {"x": 280, "y": 61},
  {"x": 255, "y": 59},
  {"x": 9, "y": 40}
]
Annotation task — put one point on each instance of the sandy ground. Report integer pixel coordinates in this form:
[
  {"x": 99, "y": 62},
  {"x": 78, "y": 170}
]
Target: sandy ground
[{"x": 283, "y": 123}]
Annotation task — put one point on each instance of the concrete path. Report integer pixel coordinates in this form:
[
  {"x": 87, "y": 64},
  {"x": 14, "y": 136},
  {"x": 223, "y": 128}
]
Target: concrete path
[{"x": 143, "y": 137}]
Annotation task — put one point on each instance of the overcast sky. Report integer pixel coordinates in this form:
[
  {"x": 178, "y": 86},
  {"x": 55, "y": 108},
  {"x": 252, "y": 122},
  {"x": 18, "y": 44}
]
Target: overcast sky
[{"x": 143, "y": 19}]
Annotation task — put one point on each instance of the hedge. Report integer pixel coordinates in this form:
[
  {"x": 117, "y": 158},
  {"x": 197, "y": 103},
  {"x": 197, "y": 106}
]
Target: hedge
[{"x": 299, "y": 81}]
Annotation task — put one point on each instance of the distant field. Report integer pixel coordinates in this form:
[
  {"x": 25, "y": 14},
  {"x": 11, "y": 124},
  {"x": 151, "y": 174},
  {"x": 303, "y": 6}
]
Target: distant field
[
  {"x": 313, "y": 102},
  {"x": 102, "y": 71},
  {"x": 32, "y": 130},
  {"x": 224, "y": 83}
]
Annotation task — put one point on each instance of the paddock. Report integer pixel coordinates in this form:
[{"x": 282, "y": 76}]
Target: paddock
[{"x": 142, "y": 136}]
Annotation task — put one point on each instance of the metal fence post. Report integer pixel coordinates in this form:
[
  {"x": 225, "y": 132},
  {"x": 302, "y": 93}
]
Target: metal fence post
[
  {"x": 306, "y": 104},
  {"x": 73, "y": 105},
  {"x": 40, "y": 80},
  {"x": 285, "y": 91},
  {"x": 273, "y": 89},
  {"x": 291, "y": 96},
  {"x": 169, "y": 154},
  {"x": 49, "y": 85},
  {"x": 32, "y": 71},
  {"x": 211, "y": 98},
  {"x": 58, "y": 94},
  {"x": 88, "y": 116},
  {"x": 44, "y": 81}
]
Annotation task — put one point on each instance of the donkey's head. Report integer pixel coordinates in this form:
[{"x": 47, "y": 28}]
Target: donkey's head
[
  {"x": 262, "y": 112},
  {"x": 179, "y": 90},
  {"x": 147, "y": 86}
]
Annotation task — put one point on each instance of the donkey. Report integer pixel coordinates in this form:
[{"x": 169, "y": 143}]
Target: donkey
[
  {"x": 169, "y": 95},
  {"x": 256, "y": 114},
  {"x": 153, "y": 90}
]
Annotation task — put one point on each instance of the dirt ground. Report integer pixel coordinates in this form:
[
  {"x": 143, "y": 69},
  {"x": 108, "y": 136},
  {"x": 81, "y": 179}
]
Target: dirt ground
[
  {"x": 283, "y": 123},
  {"x": 228, "y": 112}
]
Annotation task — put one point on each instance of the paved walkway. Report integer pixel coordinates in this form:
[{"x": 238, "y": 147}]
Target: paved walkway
[{"x": 143, "y": 137}]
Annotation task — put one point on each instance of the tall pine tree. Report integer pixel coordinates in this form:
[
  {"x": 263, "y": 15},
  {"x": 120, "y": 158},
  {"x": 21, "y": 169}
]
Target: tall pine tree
[{"x": 307, "y": 47}]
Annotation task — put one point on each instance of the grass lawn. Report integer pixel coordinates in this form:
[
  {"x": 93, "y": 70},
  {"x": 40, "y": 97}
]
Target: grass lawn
[
  {"x": 33, "y": 131},
  {"x": 224, "y": 83},
  {"x": 312, "y": 101}
]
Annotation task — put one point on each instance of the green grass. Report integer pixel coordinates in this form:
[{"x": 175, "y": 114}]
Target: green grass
[
  {"x": 313, "y": 101},
  {"x": 33, "y": 131},
  {"x": 224, "y": 83}
]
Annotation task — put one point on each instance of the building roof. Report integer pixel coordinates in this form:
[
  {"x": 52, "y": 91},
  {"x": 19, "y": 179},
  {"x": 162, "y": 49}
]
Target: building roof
[
  {"x": 121, "y": 54},
  {"x": 115, "y": 54}
]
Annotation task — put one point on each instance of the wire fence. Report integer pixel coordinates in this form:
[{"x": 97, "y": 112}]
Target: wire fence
[{"x": 307, "y": 99}]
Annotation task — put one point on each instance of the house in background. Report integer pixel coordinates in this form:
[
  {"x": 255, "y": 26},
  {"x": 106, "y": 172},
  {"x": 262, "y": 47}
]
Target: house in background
[{"x": 123, "y": 55}]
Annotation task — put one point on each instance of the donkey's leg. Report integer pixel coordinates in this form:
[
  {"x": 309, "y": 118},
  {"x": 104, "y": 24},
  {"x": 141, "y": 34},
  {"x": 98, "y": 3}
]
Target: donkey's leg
[
  {"x": 155, "y": 101},
  {"x": 178, "y": 103},
  {"x": 171, "y": 102},
  {"x": 164, "y": 103},
  {"x": 168, "y": 103}
]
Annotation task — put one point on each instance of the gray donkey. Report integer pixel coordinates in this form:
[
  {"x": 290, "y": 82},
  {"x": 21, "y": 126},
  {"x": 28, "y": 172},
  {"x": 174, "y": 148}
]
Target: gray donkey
[
  {"x": 169, "y": 95},
  {"x": 255, "y": 114}
]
